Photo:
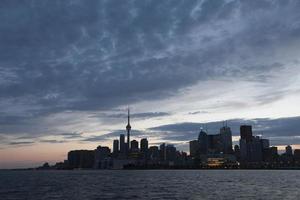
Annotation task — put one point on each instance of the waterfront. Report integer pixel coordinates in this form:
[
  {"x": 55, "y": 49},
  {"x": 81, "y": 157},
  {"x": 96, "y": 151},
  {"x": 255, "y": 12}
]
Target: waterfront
[{"x": 150, "y": 184}]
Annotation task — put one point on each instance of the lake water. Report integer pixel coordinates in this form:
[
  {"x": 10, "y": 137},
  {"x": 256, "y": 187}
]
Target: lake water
[{"x": 156, "y": 184}]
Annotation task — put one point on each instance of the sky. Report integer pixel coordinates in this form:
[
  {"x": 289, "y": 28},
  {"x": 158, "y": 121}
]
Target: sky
[{"x": 69, "y": 70}]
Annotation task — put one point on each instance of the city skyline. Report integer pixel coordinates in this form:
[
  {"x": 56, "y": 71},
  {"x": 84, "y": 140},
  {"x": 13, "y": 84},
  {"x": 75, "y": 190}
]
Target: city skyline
[
  {"x": 123, "y": 147},
  {"x": 69, "y": 69},
  {"x": 208, "y": 151}
]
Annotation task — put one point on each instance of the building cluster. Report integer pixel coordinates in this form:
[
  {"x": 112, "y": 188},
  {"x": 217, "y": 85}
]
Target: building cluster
[
  {"x": 127, "y": 154},
  {"x": 208, "y": 151},
  {"x": 215, "y": 151}
]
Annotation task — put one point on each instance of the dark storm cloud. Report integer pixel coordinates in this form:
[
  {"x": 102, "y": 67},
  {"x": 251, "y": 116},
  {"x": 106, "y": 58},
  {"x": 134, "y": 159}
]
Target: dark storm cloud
[
  {"x": 71, "y": 135},
  {"x": 113, "y": 135},
  {"x": 123, "y": 115},
  {"x": 78, "y": 55},
  {"x": 282, "y": 130},
  {"x": 52, "y": 141},
  {"x": 75, "y": 55},
  {"x": 21, "y": 143}
]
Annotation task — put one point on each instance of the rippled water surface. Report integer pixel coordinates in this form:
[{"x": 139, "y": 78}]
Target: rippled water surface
[{"x": 164, "y": 184}]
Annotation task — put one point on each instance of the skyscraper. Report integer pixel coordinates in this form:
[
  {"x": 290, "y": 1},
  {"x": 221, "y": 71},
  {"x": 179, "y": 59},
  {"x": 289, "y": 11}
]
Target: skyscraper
[
  {"x": 297, "y": 156},
  {"x": 128, "y": 128},
  {"x": 116, "y": 146},
  {"x": 122, "y": 143},
  {"x": 251, "y": 147},
  {"x": 101, "y": 154},
  {"x": 246, "y": 132},
  {"x": 170, "y": 153},
  {"x": 144, "y": 147},
  {"x": 288, "y": 150},
  {"x": 226, "y": 139},
  {"x": 154, "y": 154},
  {"x": 265, "y": 143},
  {"x": 134, "y": 145},
  {"x": 214, "y": 144},
  {"x": 203, "y": 142},
  {"x": 162, "y": 152},
  {"x": 194, "y": 148}
]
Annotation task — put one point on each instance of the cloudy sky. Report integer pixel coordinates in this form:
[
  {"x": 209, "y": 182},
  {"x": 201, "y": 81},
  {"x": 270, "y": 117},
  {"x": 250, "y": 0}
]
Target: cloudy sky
[{"x": 69, "y": 69}]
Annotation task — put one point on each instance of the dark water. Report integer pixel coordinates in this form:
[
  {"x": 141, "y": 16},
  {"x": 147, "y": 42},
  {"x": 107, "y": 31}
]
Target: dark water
[{"x": 163, "y": 184}]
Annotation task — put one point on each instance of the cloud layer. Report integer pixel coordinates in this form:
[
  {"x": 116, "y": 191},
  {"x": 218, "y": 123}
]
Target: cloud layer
[
  {"x": 281, "y": 131},
  {"x": 71, "y": 67}
]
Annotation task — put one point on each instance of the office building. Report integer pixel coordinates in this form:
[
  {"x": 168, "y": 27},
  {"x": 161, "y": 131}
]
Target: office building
[
  {"x": 162, "y": 152},
  {"x": 102, "y": 155},
  {"x": 297, "y": 156},
  {"x": 170, "y": 153},
  {"x": 265, "y": 143},
  {"x": 237, "y": 152},
  {"x": 116, "y": 147},
  {"x": 122, "y": 143},
  {"x": 289, "y": 150},
  {"x": 214, "y": 144},
  {"x": 134, "y": 145},
  {"x": 80, "y": 159},
  {"x": 154, "y": 154},
  {"x": 203, "y": 142},
  {"x": 246, "y": 132},
  {"x": 194, "y": 148},
  {"x": 226, "y": 140},
  {"x": 252, "y": 149},
  {"x": 144, "y": 147}
]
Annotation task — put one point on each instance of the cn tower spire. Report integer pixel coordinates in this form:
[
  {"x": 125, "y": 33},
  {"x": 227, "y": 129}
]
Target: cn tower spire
[
  {"x": 128, "y": 128},
  {"x": 128, "y": 116}
]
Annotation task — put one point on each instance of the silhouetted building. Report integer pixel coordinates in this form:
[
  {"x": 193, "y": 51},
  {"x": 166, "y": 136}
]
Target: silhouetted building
[
  {"x": 122, "y": 144},
  {"x": 144, "y": 147},
  {"x": 203, "y": 142},
  {"x": 237, "y": 152},
  {"x": 162, "y": 152},
  {"x": 266, "y": 150},
  {"x": 226, "y": 139},
  {"x": 209, "y": 151},
  {"x": 274, "y": 151},
  {"x": 265, "y": 143},
  {"x": 286, "y": 160},
  {"x": 154, "y": 153},
  {"x": 81, "y": 159},
  {"x": 181, "y": 159},
  {"x": 194, "y": 148},
  {"x": 271, "y": 155},
  {"x": 297, "y": 156},
  {"x": 215, "y": 145},
  {"x": 116, "y": 147},
  {"x": 251, "y": 148},
  {"x": 246, "y": 132},
  {"x": 255, "y": 153},
  {"x": 102, "y": 158},
  {"x": 134, "y": 145},
  {"x": 170, "y": 153},
  {"x": 289, "y": 150}
]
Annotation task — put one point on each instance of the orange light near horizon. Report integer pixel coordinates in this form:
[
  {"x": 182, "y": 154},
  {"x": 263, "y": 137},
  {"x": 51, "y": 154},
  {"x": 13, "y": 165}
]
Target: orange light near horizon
[
  {"x": 282, "y": 147},
  {"x": 37, "y": 154}
]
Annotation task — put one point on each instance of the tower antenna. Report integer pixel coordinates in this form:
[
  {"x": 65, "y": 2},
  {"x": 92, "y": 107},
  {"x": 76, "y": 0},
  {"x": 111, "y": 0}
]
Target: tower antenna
[{"x": 128, "y": 128}]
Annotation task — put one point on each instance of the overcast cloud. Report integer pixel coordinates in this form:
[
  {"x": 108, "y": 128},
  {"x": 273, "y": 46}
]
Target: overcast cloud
[{"x": 74, "y": 66}]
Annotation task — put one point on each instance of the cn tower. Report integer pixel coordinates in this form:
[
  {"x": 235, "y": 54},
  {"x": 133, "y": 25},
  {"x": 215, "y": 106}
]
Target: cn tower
[{"x": 128, "y": 128}]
